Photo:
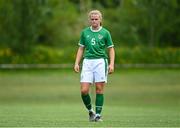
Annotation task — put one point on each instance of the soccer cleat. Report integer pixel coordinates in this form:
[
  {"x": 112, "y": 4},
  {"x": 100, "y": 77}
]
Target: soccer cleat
[
  {"x": 91, "y": 116},
  {"x": 98, "y": 119}
]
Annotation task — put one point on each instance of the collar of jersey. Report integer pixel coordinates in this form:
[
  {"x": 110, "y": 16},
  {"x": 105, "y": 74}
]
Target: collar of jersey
[{"x": 96, "y": 30}]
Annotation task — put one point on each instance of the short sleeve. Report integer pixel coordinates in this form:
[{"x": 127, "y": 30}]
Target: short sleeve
[
  {"x": 109, "y": 41},
  {"x": 81, "y": 41}
]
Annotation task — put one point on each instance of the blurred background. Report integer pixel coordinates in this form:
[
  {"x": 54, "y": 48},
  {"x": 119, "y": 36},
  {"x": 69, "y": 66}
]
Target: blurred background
[
  {"x": 38, "y": 44},
  {"x": 48, "y": 31}
]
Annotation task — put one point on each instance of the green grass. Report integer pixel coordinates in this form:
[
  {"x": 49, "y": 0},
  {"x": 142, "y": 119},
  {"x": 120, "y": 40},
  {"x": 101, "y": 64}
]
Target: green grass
[{"x": 50, "y": 98}]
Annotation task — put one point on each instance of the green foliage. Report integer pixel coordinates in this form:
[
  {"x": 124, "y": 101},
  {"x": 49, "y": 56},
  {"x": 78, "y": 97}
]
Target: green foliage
[
  {"x": 151, "y": 22},
  {"x": 59, "y": 28},
  {"x": 124, "y": 55},
  {"x": 19, "y": 24},
  {"x": 26, "y": 24},
  {"x": 40, "y": 55},
  {"x": 148, "y": 55}
]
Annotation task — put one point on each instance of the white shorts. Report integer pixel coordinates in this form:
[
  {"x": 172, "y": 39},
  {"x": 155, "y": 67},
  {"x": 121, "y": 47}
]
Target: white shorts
[{"x": 94, "y": 70}]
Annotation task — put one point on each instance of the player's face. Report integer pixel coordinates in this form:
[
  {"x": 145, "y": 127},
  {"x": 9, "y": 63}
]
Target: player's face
[{"x": 95, "y": 20}]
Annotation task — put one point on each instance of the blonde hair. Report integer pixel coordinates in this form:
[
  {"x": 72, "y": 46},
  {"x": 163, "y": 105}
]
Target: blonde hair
[{"x": 97, "y": 12}]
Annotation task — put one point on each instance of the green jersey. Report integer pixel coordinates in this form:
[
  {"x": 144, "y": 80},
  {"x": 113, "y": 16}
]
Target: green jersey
[{"x": 95, "y": 42}]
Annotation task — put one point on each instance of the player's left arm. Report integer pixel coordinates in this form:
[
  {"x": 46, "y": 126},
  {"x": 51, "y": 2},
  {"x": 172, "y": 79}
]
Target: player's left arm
[
  {"x": 111, "y": 60},
  {"x": 111, "y": 51}
]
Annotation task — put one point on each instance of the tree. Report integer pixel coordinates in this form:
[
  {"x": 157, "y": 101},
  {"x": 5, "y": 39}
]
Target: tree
[
  {"x": 159, "y": 18},
  {"x": 20, "y": 23}
]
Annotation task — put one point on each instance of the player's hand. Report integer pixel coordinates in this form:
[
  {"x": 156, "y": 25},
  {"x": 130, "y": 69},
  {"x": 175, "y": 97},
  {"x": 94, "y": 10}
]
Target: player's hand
[
  {"x": 76, "y": 68},
  {"x": 111, "y": 69}
]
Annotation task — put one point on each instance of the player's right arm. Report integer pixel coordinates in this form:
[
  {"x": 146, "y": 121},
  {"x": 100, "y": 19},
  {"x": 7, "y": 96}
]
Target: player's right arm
[{"x": 78, "y": 58}]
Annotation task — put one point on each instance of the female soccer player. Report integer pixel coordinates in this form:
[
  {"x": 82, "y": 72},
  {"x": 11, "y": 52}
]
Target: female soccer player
[{"x": 93, "y": 43}]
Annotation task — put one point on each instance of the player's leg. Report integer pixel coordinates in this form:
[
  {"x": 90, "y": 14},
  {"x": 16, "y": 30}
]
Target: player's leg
[
  {"x": 100, "y": 80},
  {"x": 99, "y": 99},
  {"x": 86, "y": 80},
  {"x": 85, "y": 95},
  {"x": 87, "y": 99}
]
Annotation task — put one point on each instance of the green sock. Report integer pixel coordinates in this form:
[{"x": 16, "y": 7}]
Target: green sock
[
  {"x": 99, "y": 103},
  {"x": 87, "y": 101}
]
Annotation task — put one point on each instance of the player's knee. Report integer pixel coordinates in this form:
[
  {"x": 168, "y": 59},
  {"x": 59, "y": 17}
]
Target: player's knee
[
  {"x": 99, "y": 91},
  {"x": 84, "y": 91}
]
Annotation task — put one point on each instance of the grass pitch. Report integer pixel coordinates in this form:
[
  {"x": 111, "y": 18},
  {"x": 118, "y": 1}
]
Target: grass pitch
[{"x": 50, "y": 98}]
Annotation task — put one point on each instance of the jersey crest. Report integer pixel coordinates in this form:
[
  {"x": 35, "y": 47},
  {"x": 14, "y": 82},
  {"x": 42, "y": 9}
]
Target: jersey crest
[{"x": 100, "y": 36}]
